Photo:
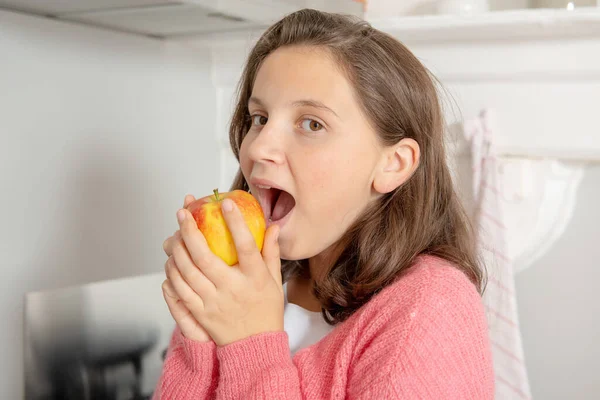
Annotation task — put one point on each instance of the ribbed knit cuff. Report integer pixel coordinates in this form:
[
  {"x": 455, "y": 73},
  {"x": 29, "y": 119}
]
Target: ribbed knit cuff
[
  {"x": 199, "y": 354},
  {"x": 254, "y": 354}
]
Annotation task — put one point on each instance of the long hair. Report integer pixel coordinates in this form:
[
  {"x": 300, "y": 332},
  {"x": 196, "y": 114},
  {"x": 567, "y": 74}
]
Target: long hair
[{"x": 400, "y": 98}]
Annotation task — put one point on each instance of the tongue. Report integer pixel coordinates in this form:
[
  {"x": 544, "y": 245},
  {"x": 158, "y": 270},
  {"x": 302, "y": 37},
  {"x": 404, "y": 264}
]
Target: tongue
[{"x": 283, "y": 206}]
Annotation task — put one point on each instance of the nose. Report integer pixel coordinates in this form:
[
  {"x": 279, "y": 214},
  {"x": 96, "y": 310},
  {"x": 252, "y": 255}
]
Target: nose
[{"x": 267, "y": 146}]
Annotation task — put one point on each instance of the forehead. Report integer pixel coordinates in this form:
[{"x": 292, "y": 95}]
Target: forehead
[{"x": 301, "y": 72}]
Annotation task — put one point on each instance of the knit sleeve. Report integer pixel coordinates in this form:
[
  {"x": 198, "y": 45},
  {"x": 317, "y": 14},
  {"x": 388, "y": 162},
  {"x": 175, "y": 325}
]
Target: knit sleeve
[
  {"x": 190, "y": 370},
  {"x": 258, "y": 368},
  {"x": 437, "y": 350}
]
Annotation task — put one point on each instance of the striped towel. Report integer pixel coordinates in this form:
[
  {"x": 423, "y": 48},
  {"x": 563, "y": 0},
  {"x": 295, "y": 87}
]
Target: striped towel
[{"x": 500, "y": 296}]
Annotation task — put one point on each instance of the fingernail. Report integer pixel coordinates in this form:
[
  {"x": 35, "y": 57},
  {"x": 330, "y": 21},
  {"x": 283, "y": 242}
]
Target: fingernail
[
  {"x": 227, "y": 205},
  {"x": 180, "y": 216}
]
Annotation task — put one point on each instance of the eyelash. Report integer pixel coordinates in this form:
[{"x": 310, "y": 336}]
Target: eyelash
[{"x": 321, "y": 125}]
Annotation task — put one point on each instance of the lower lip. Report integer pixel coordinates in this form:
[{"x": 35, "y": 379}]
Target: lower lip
[{"x": 282, "y": 221}]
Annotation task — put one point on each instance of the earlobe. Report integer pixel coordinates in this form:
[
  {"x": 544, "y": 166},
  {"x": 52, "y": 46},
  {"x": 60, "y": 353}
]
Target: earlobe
[{"x": 399, "y": 162}]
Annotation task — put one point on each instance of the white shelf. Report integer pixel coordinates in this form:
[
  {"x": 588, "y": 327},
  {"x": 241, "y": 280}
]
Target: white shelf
[{"x": 527, "y": 24}]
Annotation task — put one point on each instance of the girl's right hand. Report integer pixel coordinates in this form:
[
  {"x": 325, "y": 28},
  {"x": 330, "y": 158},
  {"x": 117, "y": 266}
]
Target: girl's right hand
[{"x": 189, "y": 326}]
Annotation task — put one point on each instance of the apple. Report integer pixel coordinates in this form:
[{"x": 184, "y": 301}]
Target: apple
[{"x": 207, "y": 214}]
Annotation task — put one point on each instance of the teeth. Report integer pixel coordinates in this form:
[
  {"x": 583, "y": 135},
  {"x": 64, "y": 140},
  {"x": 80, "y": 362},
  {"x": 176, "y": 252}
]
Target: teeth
[{"x": 263, "y": 187}]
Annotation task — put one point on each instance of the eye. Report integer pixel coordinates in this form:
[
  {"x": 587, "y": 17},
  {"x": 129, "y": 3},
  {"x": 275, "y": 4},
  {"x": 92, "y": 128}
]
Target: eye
[
  {"x": 259, "y": 120},
  {"x": 311, "y": 125}
]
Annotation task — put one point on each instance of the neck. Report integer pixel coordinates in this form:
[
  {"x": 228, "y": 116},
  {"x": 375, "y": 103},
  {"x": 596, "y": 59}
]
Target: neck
[
  {"x": 318, "y": 264},
  {"x": 299, "y": 289},
  {"x": 299, "y": 292}
]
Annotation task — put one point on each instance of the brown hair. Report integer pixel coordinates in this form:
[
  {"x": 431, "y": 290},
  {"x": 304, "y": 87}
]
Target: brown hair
[{"x": 399, "y": 96}]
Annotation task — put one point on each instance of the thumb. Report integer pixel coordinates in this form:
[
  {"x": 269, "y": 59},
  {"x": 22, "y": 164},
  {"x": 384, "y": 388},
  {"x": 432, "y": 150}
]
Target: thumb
[{"x": 270, "y": 253}]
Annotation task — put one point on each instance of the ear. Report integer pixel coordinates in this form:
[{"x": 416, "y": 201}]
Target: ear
[{"x": 398, "y": 163}]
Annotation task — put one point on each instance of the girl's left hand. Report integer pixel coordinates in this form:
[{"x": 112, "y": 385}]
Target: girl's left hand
[{"x": 231, "y": 303}]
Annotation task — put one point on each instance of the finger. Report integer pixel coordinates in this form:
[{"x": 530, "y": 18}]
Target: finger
[
  {"x": 187, "y": 200},
  {"x": 169, "y": 242},
  {"x": 182, "y": 291},
  {"x": 270, "y": 253},
  {"x": 182, "y": 316},
  {"x": 167, "y": 266},
  {"x": 197, "y": 247},
  {"x": 190, "y": 272},
  {"x": 248, "y": 254}
]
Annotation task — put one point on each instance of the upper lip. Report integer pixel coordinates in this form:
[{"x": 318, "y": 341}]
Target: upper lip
[{"x": 265, "y": 182}]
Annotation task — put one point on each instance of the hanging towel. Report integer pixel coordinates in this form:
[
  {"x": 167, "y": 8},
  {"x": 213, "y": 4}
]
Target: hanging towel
[{"x": 499, "y": 297}]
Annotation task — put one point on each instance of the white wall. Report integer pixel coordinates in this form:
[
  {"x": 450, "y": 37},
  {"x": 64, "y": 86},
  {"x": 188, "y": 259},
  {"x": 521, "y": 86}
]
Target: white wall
[
  {"x": 102, "y": 136},
  {"x": 559, "y": 308}
]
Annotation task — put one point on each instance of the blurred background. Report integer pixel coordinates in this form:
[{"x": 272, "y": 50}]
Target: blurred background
[{"x": 111, "y": 111}]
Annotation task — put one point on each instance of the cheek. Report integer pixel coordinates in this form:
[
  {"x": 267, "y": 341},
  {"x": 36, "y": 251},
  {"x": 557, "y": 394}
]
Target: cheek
[
  {"x": 337, "y": 188},
  {"x": 328, "y": 177},
  {"x": 318, "y": 172},
  {"x": 245, "y": 162}
]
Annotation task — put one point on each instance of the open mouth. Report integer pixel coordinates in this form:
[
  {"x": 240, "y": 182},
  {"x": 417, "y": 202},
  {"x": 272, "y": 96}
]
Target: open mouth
[{"x": 276, "y": 203}]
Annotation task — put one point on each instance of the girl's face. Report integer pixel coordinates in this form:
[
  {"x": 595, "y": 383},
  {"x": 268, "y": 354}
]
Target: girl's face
[{"x": 310, "y": 155}]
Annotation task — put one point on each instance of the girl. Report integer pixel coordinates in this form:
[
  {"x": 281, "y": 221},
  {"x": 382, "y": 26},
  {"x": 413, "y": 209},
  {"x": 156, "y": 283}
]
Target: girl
[{"x": 339, "y": 133}]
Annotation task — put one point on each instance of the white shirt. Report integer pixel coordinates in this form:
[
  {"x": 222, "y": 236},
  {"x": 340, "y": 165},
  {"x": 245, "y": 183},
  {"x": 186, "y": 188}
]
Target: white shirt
[{"x": 303, "y": 327}]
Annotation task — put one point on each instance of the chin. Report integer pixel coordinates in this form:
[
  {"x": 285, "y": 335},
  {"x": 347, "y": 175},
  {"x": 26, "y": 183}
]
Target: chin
[
  {"x": 294, "y": 252},
  {"x": 288, "y": 255},
  {"x": 290, "y": 251}
]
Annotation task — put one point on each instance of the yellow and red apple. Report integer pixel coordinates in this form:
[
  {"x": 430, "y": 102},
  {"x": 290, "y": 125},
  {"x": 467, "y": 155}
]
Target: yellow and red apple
[{"x": 207, "y": 214}]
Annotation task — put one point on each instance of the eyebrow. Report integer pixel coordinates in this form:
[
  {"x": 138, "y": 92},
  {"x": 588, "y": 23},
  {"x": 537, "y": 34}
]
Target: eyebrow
[{"x": 298, "y": 103}]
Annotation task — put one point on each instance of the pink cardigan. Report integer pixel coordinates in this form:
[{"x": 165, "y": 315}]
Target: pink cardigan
[{"x": 423, "y": 337}]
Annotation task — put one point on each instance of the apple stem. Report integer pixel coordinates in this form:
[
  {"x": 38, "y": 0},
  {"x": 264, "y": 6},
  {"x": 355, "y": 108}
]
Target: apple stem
[{"x": 216, "y": 192}]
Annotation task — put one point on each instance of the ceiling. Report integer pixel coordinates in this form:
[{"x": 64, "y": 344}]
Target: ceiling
[{"x": 174, "y": 18}]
